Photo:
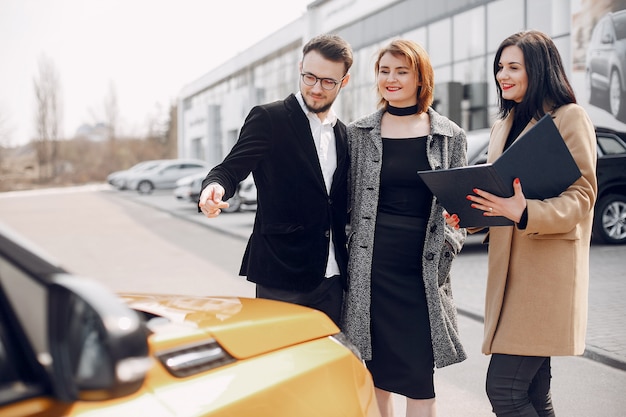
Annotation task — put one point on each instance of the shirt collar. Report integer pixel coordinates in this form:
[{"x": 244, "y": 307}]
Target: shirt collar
[{"x": 331, "y": 117}]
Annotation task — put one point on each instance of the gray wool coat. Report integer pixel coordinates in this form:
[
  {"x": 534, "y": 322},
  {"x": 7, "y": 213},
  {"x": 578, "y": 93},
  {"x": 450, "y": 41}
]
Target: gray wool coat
[{"x": 446, "y": 148}]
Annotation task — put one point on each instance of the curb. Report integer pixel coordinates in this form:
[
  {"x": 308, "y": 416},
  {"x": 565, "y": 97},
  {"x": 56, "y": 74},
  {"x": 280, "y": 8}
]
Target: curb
[
  {"x": 595, "y": 355},
  {"x": 605, "y": 358}
]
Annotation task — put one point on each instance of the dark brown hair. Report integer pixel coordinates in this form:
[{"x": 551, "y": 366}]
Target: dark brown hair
[
  {"x": 547, "y": 81},
  {"x": 332, "y": 47}
]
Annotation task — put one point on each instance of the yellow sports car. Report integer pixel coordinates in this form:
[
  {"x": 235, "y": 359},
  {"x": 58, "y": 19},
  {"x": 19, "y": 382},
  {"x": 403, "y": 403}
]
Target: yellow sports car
[{"x": 70, "y": 347}]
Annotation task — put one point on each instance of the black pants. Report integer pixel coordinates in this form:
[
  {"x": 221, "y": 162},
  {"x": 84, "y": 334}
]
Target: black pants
[
  {"x": 519, "y": 386},
  {"x": 327, "y": 297}
]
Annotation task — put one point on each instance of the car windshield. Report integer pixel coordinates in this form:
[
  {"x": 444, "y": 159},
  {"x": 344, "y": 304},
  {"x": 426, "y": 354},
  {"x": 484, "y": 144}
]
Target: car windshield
[
  {"x": 476, "y": 142},
  {"x": 619, "y": 21},
  {"x": 150, "y": 167},
  {"x": 142, "y": 165}
]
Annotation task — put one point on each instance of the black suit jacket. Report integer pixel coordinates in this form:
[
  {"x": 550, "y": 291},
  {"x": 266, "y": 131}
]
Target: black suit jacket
[{"x": 288, "y": 247}]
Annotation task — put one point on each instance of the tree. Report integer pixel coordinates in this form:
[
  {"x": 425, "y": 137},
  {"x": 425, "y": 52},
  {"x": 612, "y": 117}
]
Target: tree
[
  {"x": 111, "y": 113},
  {"x": 47, "y": 117},
  {"x": 162, "y": 130},
  {"x": 5, "y": 138},
  {"x": 107, "y": 116},
  {"x": 172, "y": 131}
]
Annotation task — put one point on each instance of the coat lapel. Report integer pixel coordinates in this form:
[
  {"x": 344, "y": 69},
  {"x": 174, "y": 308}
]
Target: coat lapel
[
  {"x": 341, "y": 145},
  {"x": 304, "y": 139},
  {"x": 372, "y": 123}
]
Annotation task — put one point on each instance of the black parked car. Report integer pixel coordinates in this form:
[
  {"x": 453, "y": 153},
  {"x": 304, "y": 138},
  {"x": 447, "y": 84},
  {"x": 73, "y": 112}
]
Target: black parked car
[{"x": 609, "y": 223}]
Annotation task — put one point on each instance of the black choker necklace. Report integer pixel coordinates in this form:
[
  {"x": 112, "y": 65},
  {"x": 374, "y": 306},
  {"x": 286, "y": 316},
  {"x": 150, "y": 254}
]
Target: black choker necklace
[{"x": 401, "y": 111}]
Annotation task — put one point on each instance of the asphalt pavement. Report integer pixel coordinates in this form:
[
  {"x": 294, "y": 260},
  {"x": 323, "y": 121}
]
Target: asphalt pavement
[{"x": 109, "y": 234}]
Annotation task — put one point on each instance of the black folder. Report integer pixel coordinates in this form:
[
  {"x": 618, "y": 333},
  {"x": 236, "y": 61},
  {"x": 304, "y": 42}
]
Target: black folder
[{"x": 539, "y": 158}]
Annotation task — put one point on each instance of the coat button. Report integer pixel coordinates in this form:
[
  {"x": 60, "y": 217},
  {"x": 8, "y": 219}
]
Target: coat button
[
  {"x": 430, "y": 256},
  {"x": 327, "y": 233}
]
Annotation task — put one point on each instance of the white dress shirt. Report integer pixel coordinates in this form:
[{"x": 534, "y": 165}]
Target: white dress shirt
[{"x": 324, "y": 138}]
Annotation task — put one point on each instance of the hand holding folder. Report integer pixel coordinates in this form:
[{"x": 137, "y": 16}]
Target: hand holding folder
[{"x": 539, "y": 158}]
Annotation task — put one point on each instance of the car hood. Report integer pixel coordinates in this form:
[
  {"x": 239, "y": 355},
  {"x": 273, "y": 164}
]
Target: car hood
[
  {"x": 245, "y": 327},
  {"x": 116, "y": 174}
]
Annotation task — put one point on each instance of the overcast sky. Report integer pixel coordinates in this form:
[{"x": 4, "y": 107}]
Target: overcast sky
[{"x": 146, "y": 49}]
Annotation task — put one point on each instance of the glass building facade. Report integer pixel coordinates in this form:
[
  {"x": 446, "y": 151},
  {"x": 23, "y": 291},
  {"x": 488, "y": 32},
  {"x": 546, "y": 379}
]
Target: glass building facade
[{"x": 461, "y": 37}]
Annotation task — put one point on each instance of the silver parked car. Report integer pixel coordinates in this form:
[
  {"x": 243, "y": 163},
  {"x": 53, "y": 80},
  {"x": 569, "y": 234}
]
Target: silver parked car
[
  {"x": 119, "y": 179},
  {"x": 165, "y": 174},
  {"x": 605, "y": 65}
]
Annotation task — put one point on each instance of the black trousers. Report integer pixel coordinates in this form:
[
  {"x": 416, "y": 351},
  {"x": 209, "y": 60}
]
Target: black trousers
[
  {"x": 519, "y": 386},
  {"x": 327, "y": 297}
]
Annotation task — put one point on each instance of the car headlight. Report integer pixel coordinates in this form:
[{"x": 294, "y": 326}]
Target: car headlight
[
  {"x": 192, "y": 359},
  {"x": 343, "y": 340}
]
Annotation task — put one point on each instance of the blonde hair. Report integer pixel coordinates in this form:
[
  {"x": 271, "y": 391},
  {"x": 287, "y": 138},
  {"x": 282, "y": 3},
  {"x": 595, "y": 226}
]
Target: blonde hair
[{"x": 419, "y": 61}]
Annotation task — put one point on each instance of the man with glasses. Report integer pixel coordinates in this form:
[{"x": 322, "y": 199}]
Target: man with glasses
[{"x": 297, "y": 152}]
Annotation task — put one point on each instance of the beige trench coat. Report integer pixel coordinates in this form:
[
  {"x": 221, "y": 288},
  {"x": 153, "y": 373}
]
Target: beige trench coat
[{"x": 536, "y": 298}]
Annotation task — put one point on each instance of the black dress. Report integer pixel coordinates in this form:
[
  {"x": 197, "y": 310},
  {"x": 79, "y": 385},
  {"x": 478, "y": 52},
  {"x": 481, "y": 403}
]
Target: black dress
[{"x": 402, "y": 356}]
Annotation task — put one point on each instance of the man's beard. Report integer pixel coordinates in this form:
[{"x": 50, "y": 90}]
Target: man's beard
[{"x": 322, "y": 109}]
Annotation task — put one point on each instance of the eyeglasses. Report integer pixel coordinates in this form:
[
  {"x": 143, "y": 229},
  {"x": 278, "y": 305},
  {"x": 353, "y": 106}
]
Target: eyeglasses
[{"x": 326, "y": 83}]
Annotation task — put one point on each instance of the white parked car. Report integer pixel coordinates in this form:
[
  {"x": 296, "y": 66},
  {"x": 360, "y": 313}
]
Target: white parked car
[
  {"x": 165, "y": 175},
  {"x": 188, "y": 189}
]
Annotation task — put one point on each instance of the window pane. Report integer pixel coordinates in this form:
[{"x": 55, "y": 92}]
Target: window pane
[
  {"x": 563, "y": 46},
  {"x": 504, "y": 18},
  {"x": 549, "y": 16},
  {"x": 470, "y": 71},
  {"x": 469, "y": 34},
  {"x": 443, "y": 74},
  {"x": 439, "y": 45},
  {"x": 418, "y": 35}
]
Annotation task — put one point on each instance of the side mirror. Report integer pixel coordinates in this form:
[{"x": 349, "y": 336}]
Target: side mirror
[
  {"x": 482, "y": 159},
  {"x": 98, "y": 345}
]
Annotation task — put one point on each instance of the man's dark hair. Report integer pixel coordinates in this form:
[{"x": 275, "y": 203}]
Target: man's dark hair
[{"x": 332, "y": 47}]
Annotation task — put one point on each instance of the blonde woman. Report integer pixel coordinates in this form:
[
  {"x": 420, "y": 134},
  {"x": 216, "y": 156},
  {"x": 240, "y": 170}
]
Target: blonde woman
[{"x": 399, "y": 309}]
